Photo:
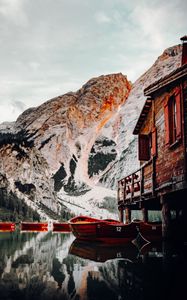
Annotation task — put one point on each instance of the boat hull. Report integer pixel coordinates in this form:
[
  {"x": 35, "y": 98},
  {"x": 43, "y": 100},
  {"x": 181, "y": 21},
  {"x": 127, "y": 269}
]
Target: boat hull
[
  {"x": 113, "y": 231},
  {"x": 151, "y": 231},
  {"x": 110, "y": 231},
  {"x": 61, "y": 227},
  {"x": 7, "y": 226},
  {"x": 25, "y": 226}
]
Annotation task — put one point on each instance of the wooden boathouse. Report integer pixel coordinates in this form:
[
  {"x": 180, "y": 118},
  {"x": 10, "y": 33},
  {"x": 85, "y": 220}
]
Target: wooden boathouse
[{"x": 161, "y": 181}]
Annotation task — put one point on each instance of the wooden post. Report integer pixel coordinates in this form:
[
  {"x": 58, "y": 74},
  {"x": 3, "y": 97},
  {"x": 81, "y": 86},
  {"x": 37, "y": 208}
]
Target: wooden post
[
  {"x": 127, "y": 215},
  {"x": 132, "y": 187},
  {"x": 124, "y": 191},
  {"x": 118, "y": 192},
  {"x": 184, "y": 222},
  {"x": 166, "y": 220},
  {"x": 145, "y": 214},
  {"x": 141, "y": 182},
  {"x": 153, "y": 175},
  {"x": 121, "y": 215}
]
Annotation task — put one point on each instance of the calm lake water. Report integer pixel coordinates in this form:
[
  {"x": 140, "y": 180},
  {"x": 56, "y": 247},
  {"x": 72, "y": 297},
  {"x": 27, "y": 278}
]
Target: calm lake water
[{"x": 51, "y": 266}]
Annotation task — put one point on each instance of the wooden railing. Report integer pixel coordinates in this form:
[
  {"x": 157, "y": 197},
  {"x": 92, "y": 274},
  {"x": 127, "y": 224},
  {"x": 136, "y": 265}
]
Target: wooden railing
[{"x": 137, "y": 185}]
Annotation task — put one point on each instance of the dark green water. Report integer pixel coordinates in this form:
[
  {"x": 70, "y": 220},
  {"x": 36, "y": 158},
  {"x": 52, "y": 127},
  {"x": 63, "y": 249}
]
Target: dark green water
[{"x": 51, "y": 266}]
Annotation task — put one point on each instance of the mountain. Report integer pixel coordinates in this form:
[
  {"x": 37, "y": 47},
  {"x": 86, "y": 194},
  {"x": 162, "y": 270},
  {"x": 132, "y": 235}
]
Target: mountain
[
  {"x": 62, "y": 145},
  {"x": 66, "y": 155}
]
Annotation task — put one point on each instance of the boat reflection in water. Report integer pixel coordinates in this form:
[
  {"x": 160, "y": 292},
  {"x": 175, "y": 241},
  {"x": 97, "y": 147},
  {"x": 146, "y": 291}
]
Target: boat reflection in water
[
  {"x": 132, "y": 271},
  {"x": 55, "y": 266},
  {"x": 101, "y": 252}
]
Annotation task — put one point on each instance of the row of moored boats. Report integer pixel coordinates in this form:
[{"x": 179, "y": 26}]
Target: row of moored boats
[
  {"x": 92, "y": 229},
  {"x": 35, "y": 226}
]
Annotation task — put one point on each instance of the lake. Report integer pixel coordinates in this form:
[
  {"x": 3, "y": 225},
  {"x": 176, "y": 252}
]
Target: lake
[{"x": 54, "y": 266}]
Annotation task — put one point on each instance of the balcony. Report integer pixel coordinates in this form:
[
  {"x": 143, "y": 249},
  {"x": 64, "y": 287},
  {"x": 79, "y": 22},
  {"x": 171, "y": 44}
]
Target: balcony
[{"x": 137, "y": 186}]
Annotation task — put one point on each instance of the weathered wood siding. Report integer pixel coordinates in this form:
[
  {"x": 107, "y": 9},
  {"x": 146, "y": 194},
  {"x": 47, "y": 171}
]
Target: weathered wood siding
[
  {"x": 185, "y": 119},
  {"x": 170, "y": 161}
]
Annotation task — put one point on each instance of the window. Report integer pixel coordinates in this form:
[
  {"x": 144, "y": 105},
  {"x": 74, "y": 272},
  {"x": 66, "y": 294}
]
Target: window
[
  {"x": 172, "y": 111},
  {"x": 144, "y": 146},
  {"x": 172, "y": 119},
  {"x": 147, "y": 145}
]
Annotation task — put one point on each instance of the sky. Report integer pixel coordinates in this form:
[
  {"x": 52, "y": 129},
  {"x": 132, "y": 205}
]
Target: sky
[{"x": 51, "y": 47}]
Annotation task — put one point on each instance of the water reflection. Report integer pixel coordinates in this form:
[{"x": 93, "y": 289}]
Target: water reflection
[
  {"x": 100, "y": 252},
  {"x": 52, "y": 266}
]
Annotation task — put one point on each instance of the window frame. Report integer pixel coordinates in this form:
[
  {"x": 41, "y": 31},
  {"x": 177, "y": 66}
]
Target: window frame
[{"x": 173, "y": 119}]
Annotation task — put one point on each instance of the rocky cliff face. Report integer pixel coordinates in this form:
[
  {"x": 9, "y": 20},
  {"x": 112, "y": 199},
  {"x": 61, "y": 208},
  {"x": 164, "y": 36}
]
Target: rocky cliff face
[{"x": 64, "y": 144}]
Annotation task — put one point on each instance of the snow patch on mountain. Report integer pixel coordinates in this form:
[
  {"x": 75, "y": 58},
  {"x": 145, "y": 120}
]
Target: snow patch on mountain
[{"x": 98, "y": 202}]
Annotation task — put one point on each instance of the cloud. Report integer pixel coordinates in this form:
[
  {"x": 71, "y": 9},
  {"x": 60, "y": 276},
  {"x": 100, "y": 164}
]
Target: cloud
[
  {"x": 101, "y": 17},
  {"x": 13, "y": 11},
  {"x": 159, "y": 23},
  {"x": 49, "y": 47},
  {"x": 7, "y": 110},
  {"x": 18, "y": 105}
]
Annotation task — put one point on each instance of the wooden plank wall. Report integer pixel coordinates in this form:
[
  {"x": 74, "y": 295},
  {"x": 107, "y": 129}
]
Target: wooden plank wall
[
  {"x": 185, "y": 120},
  {"x": 170, "y": 160}
]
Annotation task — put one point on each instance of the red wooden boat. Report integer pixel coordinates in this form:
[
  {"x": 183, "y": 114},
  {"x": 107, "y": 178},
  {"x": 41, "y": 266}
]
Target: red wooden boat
[
  {"x": 7, "y": 226},
  {"x": 151, "y": 231},
  {"x": 62, "y": 227},
  {"x": 33, "y": 226},
  {"x": 112, "y": 231}
]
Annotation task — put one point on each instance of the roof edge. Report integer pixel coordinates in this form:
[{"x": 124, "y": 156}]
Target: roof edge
[
  {"x": 143, "y": 113},
  {"x": 168, "y": 79}
]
